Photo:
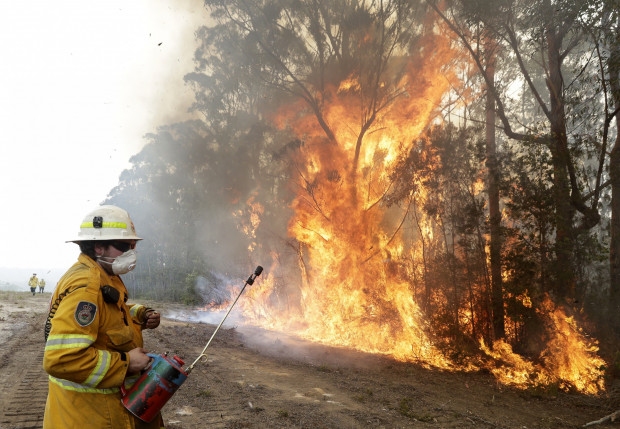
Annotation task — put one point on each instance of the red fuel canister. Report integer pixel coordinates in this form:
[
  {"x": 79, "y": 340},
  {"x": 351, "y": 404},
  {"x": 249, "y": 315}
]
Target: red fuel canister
[{"x": 147, "y": 396}]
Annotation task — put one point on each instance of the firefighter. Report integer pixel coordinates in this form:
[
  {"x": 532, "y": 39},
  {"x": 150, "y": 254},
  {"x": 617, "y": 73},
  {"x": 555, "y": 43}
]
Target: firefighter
[
  {"x": 41, "y": 285},
  {"x": 33, "y": 283},
  {"x": 94, "y": 341}
]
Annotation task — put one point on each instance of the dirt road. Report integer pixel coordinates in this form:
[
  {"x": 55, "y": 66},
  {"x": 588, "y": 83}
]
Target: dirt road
[{"x": 256, "y": 379}]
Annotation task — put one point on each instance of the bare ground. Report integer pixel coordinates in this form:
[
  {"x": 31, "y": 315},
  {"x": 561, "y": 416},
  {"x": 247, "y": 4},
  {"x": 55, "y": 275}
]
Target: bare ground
[{"x": 257, "y": 379}]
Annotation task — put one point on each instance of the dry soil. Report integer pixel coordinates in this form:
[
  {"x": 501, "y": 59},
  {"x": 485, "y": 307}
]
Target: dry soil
[{"x": 256, "y": 379}]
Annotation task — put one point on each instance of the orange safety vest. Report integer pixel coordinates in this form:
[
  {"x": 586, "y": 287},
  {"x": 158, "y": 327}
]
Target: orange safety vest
[{"x": 85, "y": 352}]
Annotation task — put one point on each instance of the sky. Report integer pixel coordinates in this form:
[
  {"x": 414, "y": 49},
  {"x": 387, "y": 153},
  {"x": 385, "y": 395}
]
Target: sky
[{"x": 81, "y": 83}]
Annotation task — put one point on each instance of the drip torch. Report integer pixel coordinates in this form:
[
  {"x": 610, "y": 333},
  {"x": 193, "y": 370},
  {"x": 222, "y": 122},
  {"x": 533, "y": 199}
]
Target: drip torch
[{"x": 164, "y": 375}]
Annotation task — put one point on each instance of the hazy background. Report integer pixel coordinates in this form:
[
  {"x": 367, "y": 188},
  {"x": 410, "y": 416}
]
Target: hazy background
[{"x": 81, "y": 83}]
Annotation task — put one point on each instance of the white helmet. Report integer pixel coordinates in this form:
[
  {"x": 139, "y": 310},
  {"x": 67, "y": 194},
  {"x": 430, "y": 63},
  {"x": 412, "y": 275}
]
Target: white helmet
[{"x": 107, "y": 223}]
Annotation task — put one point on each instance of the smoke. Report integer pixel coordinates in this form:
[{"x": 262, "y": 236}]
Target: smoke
[
  {"x": 280, "y": 345},
  {"x": 217, "y": 297},
  {"x": 288, "y": 346},
  {"x": 213, "y": 293},
  {"x": 193, "y": 315},
  {"x": 167, "y": 37}
]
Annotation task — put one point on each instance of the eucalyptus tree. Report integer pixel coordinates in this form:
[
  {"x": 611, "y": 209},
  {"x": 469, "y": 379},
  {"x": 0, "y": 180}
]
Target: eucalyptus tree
[
  {"x": 276, "y": 50},
  {"x": 169, "y": 190},
  {"x": 495, "y": 217},
  {"x": 447, "y": 162},
  {"x": 544, "y": 38},
  {"x": 606, "y": 38},
  {"x": 260, "y": 58},
  {"x": 289, "y": 65}
]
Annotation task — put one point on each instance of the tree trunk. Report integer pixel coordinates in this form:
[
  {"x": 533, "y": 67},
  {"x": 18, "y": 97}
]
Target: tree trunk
[
  {"x": 614, "y": 174},
  {"x": 614, "y": 245},
  {"x": 495, "y": 218},
  {"x": 564, "y": 286}
]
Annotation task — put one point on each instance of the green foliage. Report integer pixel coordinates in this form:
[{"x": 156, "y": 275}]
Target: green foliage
[{"x": 190, "y": 296}]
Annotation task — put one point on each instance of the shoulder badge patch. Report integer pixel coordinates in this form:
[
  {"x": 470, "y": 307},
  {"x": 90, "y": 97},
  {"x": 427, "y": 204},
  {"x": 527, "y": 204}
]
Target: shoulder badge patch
[{"x": 85, "y": 313}]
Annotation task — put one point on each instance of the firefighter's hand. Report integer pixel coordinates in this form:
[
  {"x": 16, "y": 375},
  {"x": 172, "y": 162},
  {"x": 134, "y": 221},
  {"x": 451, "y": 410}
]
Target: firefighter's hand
[
  {"x": 138, "y": 360},
  {"x": 151, "y": 319}
]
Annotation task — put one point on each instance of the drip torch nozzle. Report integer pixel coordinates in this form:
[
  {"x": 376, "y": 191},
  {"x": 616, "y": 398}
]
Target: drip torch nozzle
[{"x": 257, "y": 272}]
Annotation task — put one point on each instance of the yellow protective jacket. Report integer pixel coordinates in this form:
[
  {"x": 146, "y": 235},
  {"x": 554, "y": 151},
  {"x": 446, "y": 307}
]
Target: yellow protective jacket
[
  {"x": 33, "y": 282},
  {"x": 86, "y": 351}
]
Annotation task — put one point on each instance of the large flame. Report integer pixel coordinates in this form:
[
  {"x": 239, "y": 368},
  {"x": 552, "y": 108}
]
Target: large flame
[
  {"x": 354, "y": 292},
  {"x": 569, "y": 360}
]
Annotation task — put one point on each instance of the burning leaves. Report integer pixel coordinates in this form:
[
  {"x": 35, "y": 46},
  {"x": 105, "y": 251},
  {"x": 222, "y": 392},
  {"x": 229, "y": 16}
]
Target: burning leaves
[
  {"x": 387, "y": 276},
  {"x": 568, "y": 361}
]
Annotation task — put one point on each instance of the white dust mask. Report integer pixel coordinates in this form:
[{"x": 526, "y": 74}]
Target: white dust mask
[{"x": 123, "y": 263}]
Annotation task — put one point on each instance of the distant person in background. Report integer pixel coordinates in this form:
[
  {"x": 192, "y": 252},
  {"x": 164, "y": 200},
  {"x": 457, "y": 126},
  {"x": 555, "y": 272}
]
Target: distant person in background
[
  {"x": 33, "y": 283},
  {"x": 94, "y": 341},
  {"x": 41, "y": 285}
]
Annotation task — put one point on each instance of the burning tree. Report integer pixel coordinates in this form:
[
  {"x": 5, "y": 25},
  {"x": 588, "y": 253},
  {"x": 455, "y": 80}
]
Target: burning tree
[
  {"x": 356, "y": 84},
  {"x": 559, "y": 51},
  {"x": 326, "y": 146}
]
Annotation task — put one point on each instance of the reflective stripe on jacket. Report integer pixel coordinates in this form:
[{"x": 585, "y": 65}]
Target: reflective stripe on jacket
[{"x": 83, "y": 351}]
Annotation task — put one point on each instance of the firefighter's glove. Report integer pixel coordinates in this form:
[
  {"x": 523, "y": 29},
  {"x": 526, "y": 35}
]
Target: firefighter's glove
[{"x": 151, "y": 319}]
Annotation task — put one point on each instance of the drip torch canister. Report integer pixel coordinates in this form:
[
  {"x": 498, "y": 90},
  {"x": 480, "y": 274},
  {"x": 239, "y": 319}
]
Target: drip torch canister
[{"x": 161, "y": 379}]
